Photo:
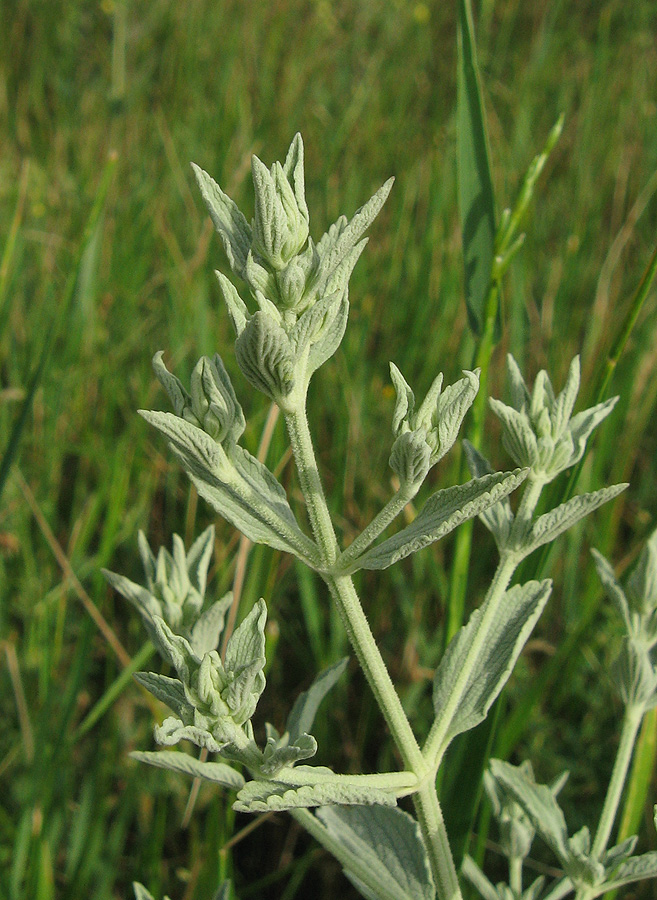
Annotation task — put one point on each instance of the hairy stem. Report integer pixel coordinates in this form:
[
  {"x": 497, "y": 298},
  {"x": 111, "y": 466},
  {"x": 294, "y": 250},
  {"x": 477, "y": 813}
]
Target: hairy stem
[
  {"x": 362, "y": 640},
  {"x": 377, "y": 526},
  {"x": 631, "y": 723},
  {"x": 436, "y": 742}
]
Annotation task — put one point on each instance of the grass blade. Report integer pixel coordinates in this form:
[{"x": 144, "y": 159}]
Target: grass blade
[{"x": 475, "y": 185}]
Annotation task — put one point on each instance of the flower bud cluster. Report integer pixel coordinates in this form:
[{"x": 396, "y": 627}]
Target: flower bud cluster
[
  {"x": 211, "y": 403},
  {"x": 637, "y": 605},
  {"x": 539, "y": 430},
  {"x": 299, "y": 287},
  {"x": 424, "y": 436}
]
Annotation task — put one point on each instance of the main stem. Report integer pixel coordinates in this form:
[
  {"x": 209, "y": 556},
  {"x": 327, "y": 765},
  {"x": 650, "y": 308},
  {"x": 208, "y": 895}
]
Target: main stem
[
  {"x": 362, "y": 640},
  {"x": 631, "y": 723}
]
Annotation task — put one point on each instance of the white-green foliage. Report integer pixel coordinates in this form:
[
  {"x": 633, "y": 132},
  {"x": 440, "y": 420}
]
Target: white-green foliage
[
  {"x": 299, "y": 303},
  {"x": 637, "y": 605}
]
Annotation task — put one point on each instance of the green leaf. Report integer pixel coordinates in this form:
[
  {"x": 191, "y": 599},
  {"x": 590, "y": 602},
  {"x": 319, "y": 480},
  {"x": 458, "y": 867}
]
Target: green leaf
[
  {"x": 169, "y": 690},
  {"x": 219, "y": 773},
  {"x": 539, "y": 803},
  {"x": 475, "y": 186},
  {"x": 214, "y": 477},
  {"x": 389, "y": 844},
  {"x": 207, "y": 630},
  {"x": 301, "y": 718},
  {"x": 304, "y": 787},
  {"x": 443, "y": 512},
  {"x": 637, "y": 868},
  {"x": 232, "y": 227},
  {"x": 499, "y": 517},
  {"x": 518, "y": 613},
  {"x": 266, "y": 357},
  {"x": 550, "y": 525}
]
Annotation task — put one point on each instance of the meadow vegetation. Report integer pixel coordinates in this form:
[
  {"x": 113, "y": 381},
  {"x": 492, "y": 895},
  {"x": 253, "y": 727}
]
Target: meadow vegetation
[{"x": 107, "y": 255}]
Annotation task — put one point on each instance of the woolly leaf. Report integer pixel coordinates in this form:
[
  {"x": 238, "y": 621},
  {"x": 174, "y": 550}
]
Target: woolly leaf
[
  {"x": 443, "y": 512},
  {"x": 219, "y": 773},
  {"x": 518, "y": 613},
  {"x": 389, "y": 844},
  {"x": 231, "y": 225},
  {"x": 550, "y": 525}
]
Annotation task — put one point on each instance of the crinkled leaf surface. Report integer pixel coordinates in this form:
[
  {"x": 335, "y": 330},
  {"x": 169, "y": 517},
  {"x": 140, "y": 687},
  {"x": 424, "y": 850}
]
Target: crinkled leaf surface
[
  {"x": 539, "y": 803},
  {"x": 207, "y": 629},
  {"x": 517, "y": 615},
  {"x": 388, "y": 842},
  {"x": 443, "y": 512},
  {"x": 550, "y": 525},
  {"x": 219, "y": 773},
  {"x": 634, "y": 869},
  {"x": 169, "y": 690}
]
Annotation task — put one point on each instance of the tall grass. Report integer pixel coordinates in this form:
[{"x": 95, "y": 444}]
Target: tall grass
[{"x": 371, "y": 85}]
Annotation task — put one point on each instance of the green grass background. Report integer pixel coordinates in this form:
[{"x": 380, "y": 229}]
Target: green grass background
[{"x": 371, "y": 85}]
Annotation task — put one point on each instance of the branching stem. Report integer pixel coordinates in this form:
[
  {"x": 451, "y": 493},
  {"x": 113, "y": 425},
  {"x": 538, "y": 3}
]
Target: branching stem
[{"x": 360, "y": 635}]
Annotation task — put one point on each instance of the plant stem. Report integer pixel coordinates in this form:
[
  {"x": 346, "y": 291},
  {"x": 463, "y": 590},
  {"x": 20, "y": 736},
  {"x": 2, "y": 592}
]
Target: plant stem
[
  {"x": 436, "y": 742},
  {"x": 362, "y": 640},
  {"x": 377, "y": 526},
  {"x": 631, "y": 723},
  {"x": 515, "y": 875}
]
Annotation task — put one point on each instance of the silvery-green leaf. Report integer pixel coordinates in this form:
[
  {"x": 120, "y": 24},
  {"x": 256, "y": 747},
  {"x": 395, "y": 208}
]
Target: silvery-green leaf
[
  {"x": 237, "y": 309},
  {"x": 259, "y": 279},
  {"x": 550, "y": 525},
  {"x": 581, "y": 425},
  {"x": 245, "y": 652},
  {"x": 478, "y": 879},
  {"x": 443, "y": 512},
  {"x": 179, "y": 397},
  {"x": 265, "y": 356},
  {"x": 142, "y": 599},
  {"x": 174, "y": 648},
  {"x": 342, "y": 237},
  {"x": 613, "y": 588},
  {"x": 219, "y": 773},
  {"x": 518, "y": 613},
  {"x": 410, "y": 458},
  {"x": 534, "y": 889},
  {"x": 172, "y": 731},
  {"x": 451, "y": 407},
  {"x": 636, "y": 676},
  {"x": 520, "y": 396},
  {"x": 279, "y": 755},
  {"x": 207, "y": 629},
  {"x": 637, "y": 868},
  {"x": 539, "y": 804},
  {"x": 388, "y": 843},
  {"x": 330, "y": 337},
  {"x": 642, "y": 583},
  {"x": 499, "y": 517},
  {"x": 169, "y": 690},
  {"x": 198, "y": 559},
  {"x": 293, "y": 168},
  {"x": 338, "y": 279},
  {"x": 301, "y": 718},
  {"x": 213, "y": 475},
  {"x": 231, "y": 225},
  {"x": 405, "y": 399},
  {"x": 308, "y": 786},
  {"x": 517, "y": 434},
  {"x": 563, "y": 405},
  {"x": 313, "y": 321},
  {"x": 619, "y": 853}
]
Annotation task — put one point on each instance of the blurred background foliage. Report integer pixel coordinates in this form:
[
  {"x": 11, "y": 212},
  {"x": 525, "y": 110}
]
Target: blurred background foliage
[{"x": 86, "y": 299}]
